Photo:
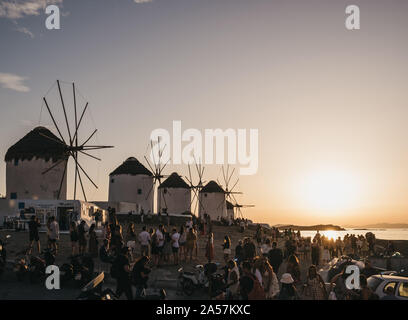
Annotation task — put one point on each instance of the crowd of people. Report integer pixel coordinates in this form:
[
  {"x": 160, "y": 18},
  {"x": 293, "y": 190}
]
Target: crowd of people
[{"x": 251, "y": 269}]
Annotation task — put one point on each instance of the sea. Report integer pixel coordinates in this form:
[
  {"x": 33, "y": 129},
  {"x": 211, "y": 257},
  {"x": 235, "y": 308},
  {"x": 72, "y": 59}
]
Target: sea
[{"x": 384, "y": 234}]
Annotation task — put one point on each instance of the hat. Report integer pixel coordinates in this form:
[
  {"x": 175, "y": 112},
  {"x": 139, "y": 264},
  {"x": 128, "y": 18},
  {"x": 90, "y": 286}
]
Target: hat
[{"x": 287, "y": 278}]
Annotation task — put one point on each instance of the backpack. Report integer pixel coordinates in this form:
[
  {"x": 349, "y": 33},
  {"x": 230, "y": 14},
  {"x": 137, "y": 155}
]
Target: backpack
[{"x": 257, "y": 292}]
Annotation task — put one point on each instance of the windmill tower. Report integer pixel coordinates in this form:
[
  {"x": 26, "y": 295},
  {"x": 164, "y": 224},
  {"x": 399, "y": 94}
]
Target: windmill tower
[
  {"x": 26, "y": 161},
  {"x": 37, "y": 164},
  {"x": 212, "y": 201},
  {"x": 132, "y": 182},
  {"x": 174, "y": 195}
]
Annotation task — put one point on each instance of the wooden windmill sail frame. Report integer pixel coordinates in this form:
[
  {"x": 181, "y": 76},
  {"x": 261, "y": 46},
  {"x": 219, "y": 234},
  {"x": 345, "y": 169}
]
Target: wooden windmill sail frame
[{"x": 72, "y": 146}]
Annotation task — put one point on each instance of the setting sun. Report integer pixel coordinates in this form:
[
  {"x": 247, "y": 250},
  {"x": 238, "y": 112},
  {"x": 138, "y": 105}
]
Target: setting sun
[{"x": 330, "y": 190}]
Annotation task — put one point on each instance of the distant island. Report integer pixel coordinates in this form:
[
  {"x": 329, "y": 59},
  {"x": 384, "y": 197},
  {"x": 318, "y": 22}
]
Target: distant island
[
  {"x": 383, "y": 225},
  {"x": 319, "y": 227}
]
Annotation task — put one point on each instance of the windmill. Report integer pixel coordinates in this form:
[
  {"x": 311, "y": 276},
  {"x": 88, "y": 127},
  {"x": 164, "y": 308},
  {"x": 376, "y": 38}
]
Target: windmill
[
  {"x": 196, "y": 187},
  {"x": 230, "y": 193},
  {"x": 71, "y": 144},
  {"x": 174, "y": 195},
  {"x": 157, "y": 166}
]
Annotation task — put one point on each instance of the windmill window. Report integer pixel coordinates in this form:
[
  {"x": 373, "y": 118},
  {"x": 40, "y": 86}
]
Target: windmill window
[
  {"x": 165, "y": 190},
  {"x": 205, "y": 195},
  {"x": 13, "y": 195},
  {"x": 139, "y": 191},
  {"x": 112, "y": 180},
  {"x": 16, "y": 162}
]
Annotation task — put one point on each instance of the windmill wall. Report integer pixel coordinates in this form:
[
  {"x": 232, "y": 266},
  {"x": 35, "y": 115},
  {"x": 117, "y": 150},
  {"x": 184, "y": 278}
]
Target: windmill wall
[
  {"x": 132, "y": 188},
  {"x": 212, "y": 203},
  {"x": 178, "y": 200},
  {"x": 24, "y": 180}
]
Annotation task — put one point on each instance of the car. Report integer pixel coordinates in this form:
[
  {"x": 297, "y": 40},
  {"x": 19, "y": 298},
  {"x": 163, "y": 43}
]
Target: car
[{"x": 380, "y": 283}]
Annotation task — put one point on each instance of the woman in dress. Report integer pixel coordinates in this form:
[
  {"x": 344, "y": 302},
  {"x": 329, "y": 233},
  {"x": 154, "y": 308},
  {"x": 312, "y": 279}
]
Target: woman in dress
[
  {"x": 209, "y": 248},
  {"x": 314, "y": 288},
  {"x": 190, "y": 244}
]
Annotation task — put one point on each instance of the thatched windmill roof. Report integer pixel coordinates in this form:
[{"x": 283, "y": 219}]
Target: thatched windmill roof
[
  {"x": 212, "y": 187},
  {"x": 39, "y": 143},
  {"x": 131, "y": 166},
  {"x": 174, "y": 181}
]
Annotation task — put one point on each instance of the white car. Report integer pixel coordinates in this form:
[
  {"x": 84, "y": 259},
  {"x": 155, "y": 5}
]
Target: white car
[{"x": 380, "y": 283}]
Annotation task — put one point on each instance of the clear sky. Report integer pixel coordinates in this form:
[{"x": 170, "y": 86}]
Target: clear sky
[{"x": 330, "y": 104}]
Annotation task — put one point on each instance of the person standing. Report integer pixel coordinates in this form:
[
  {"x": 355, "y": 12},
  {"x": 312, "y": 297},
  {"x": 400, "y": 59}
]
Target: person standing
[
  {"x": 190, "y": 243},
  {"x": 175, "y": 237},
  {"x": 315, "y": 252},
  {"x": 144, "y": 241},
  {"x": 34, "y": 235},
  {"x": 239, "y": 252},
  {"x": 275, "y": 257},
  {"x": 182, "y": 244},
  {"x": 140, "y": 275},
  {"x": 122, "y": 271},
  {"x": 209, "y": 249},
  {"x": 82, "y": 237},
  {"x": 314, "y": 287},
  {"x": 226, "y": 248},
  {"x": 93, "y": 242},
  {"x": 54, "y": 234},
  {"x": 160, "y": 244},
  {"x": 73, "y": 233}
]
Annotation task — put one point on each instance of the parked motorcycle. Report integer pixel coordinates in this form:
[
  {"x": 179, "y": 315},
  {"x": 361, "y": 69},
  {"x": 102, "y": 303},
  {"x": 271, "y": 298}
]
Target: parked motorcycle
[
  {"x": 3, "y": 254},
  {"x": 203, "y": 277}
]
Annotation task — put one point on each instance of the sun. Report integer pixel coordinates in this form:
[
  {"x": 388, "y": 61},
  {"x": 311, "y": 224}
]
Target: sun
[{"x": 330, "y": 190}]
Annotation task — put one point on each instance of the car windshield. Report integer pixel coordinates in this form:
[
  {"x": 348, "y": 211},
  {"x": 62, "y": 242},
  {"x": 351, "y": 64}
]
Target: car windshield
[{"x": 373, "y": 283}]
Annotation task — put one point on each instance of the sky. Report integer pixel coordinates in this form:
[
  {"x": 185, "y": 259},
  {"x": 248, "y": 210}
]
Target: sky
[{"x": 329, "y": 103}]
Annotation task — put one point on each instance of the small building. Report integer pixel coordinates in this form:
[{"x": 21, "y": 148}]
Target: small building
[
  {"x": 65, "y": 211},
  {"x": 174, "y": 195},
  {"x": 132, "y": 182},
  {"x": 212, "y": 201},
  {"x": 26, "y": 163}
]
